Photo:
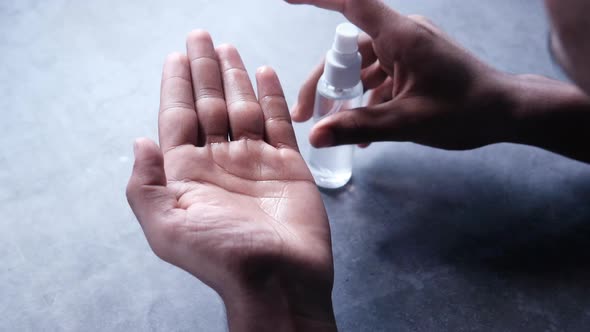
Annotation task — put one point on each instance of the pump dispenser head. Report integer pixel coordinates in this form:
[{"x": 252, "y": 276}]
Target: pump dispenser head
[
  {"x": 343, "y": 61},
  {"x": 346, "y": 39}
]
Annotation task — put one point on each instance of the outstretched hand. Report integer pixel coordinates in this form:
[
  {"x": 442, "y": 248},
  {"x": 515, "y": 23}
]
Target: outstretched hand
[
  {"x": 227, "y": 196},
  {"x": 425, "y": 88},
  {"x": 429, "y": 90}
]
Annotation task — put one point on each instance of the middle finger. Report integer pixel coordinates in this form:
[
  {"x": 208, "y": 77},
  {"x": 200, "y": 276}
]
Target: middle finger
[
  {"x": 246, "y": 120},
  {"x": 208, "y": 88}
]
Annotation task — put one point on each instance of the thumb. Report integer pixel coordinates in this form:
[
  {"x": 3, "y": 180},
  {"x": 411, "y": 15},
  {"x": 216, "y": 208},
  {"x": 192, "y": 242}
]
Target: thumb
[
  {"x": 147, "y": 193},
  {"x": 358, "y": 126}
]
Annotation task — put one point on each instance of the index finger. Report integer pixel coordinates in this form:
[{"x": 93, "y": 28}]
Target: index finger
[
  {"x": 369, "y": 15},
  {"x": 177, "y": 120}
]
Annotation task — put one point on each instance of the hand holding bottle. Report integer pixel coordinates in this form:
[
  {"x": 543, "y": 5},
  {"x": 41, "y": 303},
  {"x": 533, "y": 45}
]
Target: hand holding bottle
[
  {"x": 425, "y": 88},
  {"x": 338, "y": 89},
  {"x": 429, "y": 90}
]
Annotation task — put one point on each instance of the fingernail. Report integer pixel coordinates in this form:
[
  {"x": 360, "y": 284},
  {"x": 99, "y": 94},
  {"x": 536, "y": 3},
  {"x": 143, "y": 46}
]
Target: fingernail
[{"x": 324, "y": 140}]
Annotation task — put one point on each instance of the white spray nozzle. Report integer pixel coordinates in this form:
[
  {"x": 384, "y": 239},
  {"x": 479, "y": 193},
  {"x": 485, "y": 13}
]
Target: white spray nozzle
[
  {"x": 346, "y": 39},
  {"x": 343, "y": 61}
]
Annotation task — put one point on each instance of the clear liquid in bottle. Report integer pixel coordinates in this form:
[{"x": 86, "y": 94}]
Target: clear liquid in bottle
[{"x": 332, "y": 167}]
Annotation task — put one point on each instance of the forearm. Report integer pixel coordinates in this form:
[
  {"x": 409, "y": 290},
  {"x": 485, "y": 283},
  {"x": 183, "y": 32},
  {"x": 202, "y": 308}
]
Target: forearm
[{"x": 551, "y": 115}]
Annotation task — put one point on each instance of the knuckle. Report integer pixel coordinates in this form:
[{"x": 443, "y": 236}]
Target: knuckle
[
  {"x": 279, "y": 119},
  {"x": 418, "y": 40},
  {"x": 351, "y": 121},
  {"x": 272, "y": 98},
  {"x": 209, "y": 92},
  {"x": 176, "y": 106}
]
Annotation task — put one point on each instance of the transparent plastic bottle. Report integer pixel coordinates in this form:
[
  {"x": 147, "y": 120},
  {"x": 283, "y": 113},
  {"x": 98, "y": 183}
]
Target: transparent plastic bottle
[
  {"x": 332, "y": 167},
  {"x": 339, "y": 88}
]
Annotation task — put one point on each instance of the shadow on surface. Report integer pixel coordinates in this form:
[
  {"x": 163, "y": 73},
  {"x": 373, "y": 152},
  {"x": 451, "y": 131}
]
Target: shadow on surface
[
  {"x": 474, "y": 214},
  {"x": 496, "y": 239}
]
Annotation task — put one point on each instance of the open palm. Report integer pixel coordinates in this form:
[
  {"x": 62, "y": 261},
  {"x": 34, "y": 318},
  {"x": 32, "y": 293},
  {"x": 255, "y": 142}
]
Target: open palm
[{"x": 227, "y": 196}]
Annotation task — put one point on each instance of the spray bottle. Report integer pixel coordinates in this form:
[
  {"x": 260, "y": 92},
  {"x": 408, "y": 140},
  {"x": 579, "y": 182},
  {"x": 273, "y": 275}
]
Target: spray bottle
[{"x": 339, "y": 88}]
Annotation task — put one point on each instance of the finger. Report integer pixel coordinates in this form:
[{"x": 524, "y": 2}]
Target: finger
[
  {"x": 358, "y": 126},
  {"x": 146, "y": 191},
  {"x": 207, "y": 88},
  {"x": 373, "y": 76},
  {"x": 278, "y": 130},
  {"x": 366, "y": 49},
  {"x": 304, "y": 108},
  {"x": 306, "y": 99},
  {"x": 382, "y": 93},
  {"x": 369, "y": 15},
  {"x": 245, "y": 116},
  {"x": 177, "y": 120}
]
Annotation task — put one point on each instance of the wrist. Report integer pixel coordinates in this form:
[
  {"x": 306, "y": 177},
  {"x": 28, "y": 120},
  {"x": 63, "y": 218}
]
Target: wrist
[
  {"x": 496, "y": 102},
  {"x": 550, "y": 114},
  {"x": 270, "y": 306}
]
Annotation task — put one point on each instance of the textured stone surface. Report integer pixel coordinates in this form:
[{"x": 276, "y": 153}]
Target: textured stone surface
[{"x": 424, "y": 240}]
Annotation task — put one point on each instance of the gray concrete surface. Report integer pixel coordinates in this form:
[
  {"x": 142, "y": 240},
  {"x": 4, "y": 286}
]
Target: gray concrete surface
[{"x": 424, "y": 240}]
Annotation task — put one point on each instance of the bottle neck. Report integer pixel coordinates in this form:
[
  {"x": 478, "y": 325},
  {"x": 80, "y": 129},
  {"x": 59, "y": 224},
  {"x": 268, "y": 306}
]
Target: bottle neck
[
  {"x": 333, "y": 92},
  {"x": 342, "y": 70}
]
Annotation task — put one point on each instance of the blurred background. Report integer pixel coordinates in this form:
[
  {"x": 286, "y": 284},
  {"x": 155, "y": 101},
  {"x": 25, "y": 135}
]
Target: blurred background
[{"x": 424, "y": 240}]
